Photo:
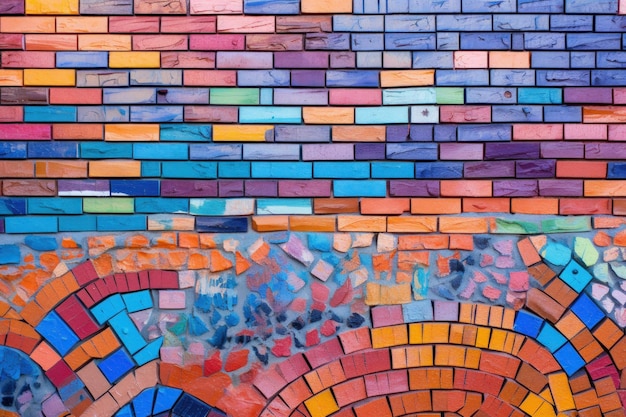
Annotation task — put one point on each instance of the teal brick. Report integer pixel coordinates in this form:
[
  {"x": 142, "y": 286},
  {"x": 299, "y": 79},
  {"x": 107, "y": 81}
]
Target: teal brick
[
  {"x": 284, "y": 206},
  {"x": 84, "y": 223},
  {"x": 576, "y": 276},
  {"x": 551, "y": 338},
  {"x": 221, "y": 206},
  {"x": 418, "y": 95},
  {"x": 57, "y": 114},
  {"x": 106, "y": 150},
  {"x": 47, "y": 205},
  {"x": 268, "y": 114},
  {"x": 267, "y": 96},
  {"x": 450, "y": 95},
  {"x": 161, "y": 205},
  {"x": 148, "y": 353},
  {"x": 382, "y": 115},
  {"x": 299, "y": 170},
  {"x": 161, "y": 151},
  {"x": 150, "y": 169},
  {"x": 31, "y": 224},
  {"x": 120, "y": 223},
  {"x": 127, "y": 332},
  {"x": 108, "y": 308},
  {"x": 356, "y": 188},
  {"x": 185, "y": 133},
  {"x": 341, "y": 170},
  {"x": 235, "y": 96},
  {"x": 539, "y": 95},
  {"x": 189, "y": 170},
  {"x": 233, "y": 169},
  {"x": 393, "y": 170},
  {"x": 137, "y": 301}
]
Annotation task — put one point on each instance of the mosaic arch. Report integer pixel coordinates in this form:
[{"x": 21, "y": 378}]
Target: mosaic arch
[{"x": 312, "y": 208}]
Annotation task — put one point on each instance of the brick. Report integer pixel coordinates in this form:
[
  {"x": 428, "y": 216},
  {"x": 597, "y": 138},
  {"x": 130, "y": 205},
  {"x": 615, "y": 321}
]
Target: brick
[
  {"x": 160, "y": 7},
  {"x": 50, "y": 77}
]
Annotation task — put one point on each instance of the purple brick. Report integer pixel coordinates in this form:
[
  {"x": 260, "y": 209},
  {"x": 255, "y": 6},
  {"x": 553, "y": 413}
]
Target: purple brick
[
  {"x": 367, "y": 151},
  {"x": 413, "y": 188},
  {"x": 301, "y": 60},
  {"x": 12, "y": 7},
  {"x": 342, "y": 59},
  {"x": 588, "y": 95},
  {"x": 539, "y": 168},
  {"x": 1, "y": 225},
  {"x": 188, "y": 188},
  {"x": 328, "y": 152},
  {"x": 308, "y": 78},
  {"x": 261, "y": 188},
  {"x": 231, "y": 188},
  {"x": 402, "y": 133},
  {"x": 562, "y": 149},
  {"x": 512, "y": 151},
  {"x": 306, "y": 188},
  {"x": 302, "y": 133},
  {"x": 461, "y": 151},
  {"x": 515, "y": 188},
  {"x": 605, "y": 151},
  {"x": 492, "y": 169},
  {"x": 83, "y": 187},
  {"x": 561, "y": 188}
]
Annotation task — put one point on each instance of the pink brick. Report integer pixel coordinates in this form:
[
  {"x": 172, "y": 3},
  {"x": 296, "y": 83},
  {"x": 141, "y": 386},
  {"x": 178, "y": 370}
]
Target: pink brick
[
  {"x": 461, "y": 151},
  {"x": 251, "y": 60},
  {"x": 210, "y": 78},
  {"x": 471, "y": 59},
  {"x": 387, "y": 315},
  {"x": 172, "y": 300},
  {"x": 619, "y": 96},
  {"x": 28, "y": 59},
  {"x": 586, "y": 131},
  {"x": 188, "y": 24},
  {"x": 25, "y": 132},
  {"x": 188, "y": 59},
  {"x": 617, "y": 132},
  {"x": 133, "y": 24},
  {"x": 216, "y": 6},
  {"x": 301, "y": 59},
  {"x": 465, "y": 114},
  {"x": 211, "y": 114},
  {"x": 73, "y": 95},
  {"x": 11, "y": 41},
  {"x": 304, "y": 188},
  {"x": 217, "y": 42},
  {"x": 11, "y": 114},
  {"x": 246, "y": 24},
  {"x": 546, "y": 131},
  {"x": 160, "y": 42},
  {"x": 355, "y": 96}
]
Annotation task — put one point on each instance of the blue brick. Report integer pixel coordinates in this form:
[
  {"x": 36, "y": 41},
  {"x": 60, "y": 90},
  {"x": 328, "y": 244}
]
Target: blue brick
[
  {"x": 233, "y": 169},
  {"x": 352, "y": 170},
  {"x": 490, "y": 95},
  {"x": 517, "y": 114},
  {"x": 616, "y": 170},
  {"x": 360, "y": 188},
  {"x": 540, "y": 6},
  {"x": 517, "y": 41},
  {"x": 183, "y": 96},
  {"x": 591, "y": 6},
  {"x": 410, "y": 41},
  {"x": 587, "y": 311},
  {"x": 52, "y": 205},
  {"x": 82, "y": 59},
  {"x": 10, "y": 255},
  {"x": 139, "y": 188},
  {"x": 59, "y": 150},
  {"x": 406, "y": 133},
  {"x": 571, "y": 114},
  {"x": 327, "y": 41},
  {"x": 575, "y": 276},
  {"x": 351, "y": 78},
  {"x": 142, "y": 403},
  {"x": 215, "y": 151},
  {"x": 518, "y": 77},
  {"x": 382, "y": 115},
  {"x": 104, "y": 150},
  {"x": 412, "y": 151},
  {"x": 222, "y": 224},
  {"x": 120, "y": 223},
  {"x": 77, "y": 223},
  {"x": 398, "y": 6},
  {"x": 569, "y": 359},
  {"x": 12, "y": 150},
  {"x": 41, "y": 243},
  {"x": 137, "y": 301},
  {"x": 127, "y": 332},
  {"x": 185, "y": 132},
  {"x": 476, "y": 77},
  {"x": 521, "y": 22},
  {"x": 266, "y": 96},
  {"x": 108, "y": 308},
  {"x": 100, "y": 114},
  {"x": 50, "y": 113},
  {"x": 562, "y": 78},
  {"x": 594, "y": 41},
  {"x": 298, "y": 170},
  {"x": 12, "y": 206},
  {"x": 445, "y": 133},
  {"x": 57, "y": 333},
  {"x": 553, "y": 59},
  {"x": 540, "y": 95},
  {"x": 163, "y": 151},
  {"x": 353, "y": 23},
  {"x": 189, "y": 406},
  {"x": 161, "y": 205},
  {"x": 165, "y": 399},
  {"x": 156, "y": 114},
  {"x": 463, "y": 22},
  {"x": 438, "y": 59},
  {"x": 263, "y": 78},
  {"x": 489, "y": 6},
  {"x": 551, "y": 337},
  {"x": 271, "y": 7},
  {"x": 302, "y": 133},
  {"x": 527, "y": 324},
  {"x": 162, "y": 77},
  {"x": 409, "y": 23},
  {"x": 486, "y": 40},
  {"x": 264, "y": 114},
  {"x": 571, "y": 23},
  {"x": 150, "y": 169},
  {"x": 134, "y": 95},
  {"x": 418, "y": 311},
  {"x": 611, "y": 59},
  {"x": 448, "y": 41},
  {"x": 426, "y": 170},
  {"x": 393, "y": 170},
  {"x": 102, "y": 78},
  {"x": 615, "y": 77},
  {"x": 270, "y": 151},
  {"x": 367, "y": 42},
  {"x": 125, "y": 411},
  {"x": 284, "y": 206},
  {"x": 548, "y": 41},
  {"x": 484, "y": 133},
  {"x": 189, "y": 170},
  {"x": 369, "y": 59},
  {"x": 581, "y": 59},
  {"x": 435, "y": 6},
  {"x": 610, "y": 23},
  {"x": 116, "y": 365},
  {"x": 38, "y": 224},
  {"x": 418, "y": 95}
]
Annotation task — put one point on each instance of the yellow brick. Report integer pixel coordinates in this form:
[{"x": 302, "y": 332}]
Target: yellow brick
[
  {"x": 326, "y": 6},
  {"x": 436, "y": 332},
  {"x": 389, "y": 336},
  {"x": 131, "y": 132},
  {"x": 531, "y": 404},
  {"x": 509, "y": 343},
  {"x": 51, "y": 6},
  {"x": 472, "y": 358},
  {"x": 115, "y": 169},
  {"x": 104, "y": 43},
  {"x": 27, "y": 24},
  {"x": 481, "y": 315},
  {"x": 546, "y": 394},
  {"x": 50, "y": 77},
  {"x": 135, "y": 59},
  {"x": 416, "y": 333},
  {"x": 328, "y": 115},
  {"x": 241, "y": 133},
  {"x": 483, "y": 335},
  {"x": 498, "y": 338},
  {"x": 322, "y": 404},
  {"x": 395, "y": 294},
  {"x": 407, "y": 78},
  {"x": 561, "y": 391},
  {"x": 11, "y": 78},
  {"x": 545, "y": 410},
  {"x": 82, "y": 24},
  {"x": 448, "y": 355}
]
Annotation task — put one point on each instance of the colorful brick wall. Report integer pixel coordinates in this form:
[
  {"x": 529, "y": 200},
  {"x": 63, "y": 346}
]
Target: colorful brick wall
[{"x": 312, "y": 208}]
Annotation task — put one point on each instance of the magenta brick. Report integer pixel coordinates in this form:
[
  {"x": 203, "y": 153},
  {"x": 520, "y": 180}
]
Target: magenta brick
[
  {"x": 515, "y": 188},
  {"x": 11, "y": 41},
  {"x": 301, "y": 59},
  {"x": 562, "y": 150},
  {"x": 188, "y": 24},
  {"x": 461, "y": 151},
  {"x": 261, "y": 188},
  {"x": 188, "y": 60},
  {"x": 189, "y": 188},
  {"x": 413, "y": 188},
  {"x": 617, "y": 132},
  {"x": 217, "y": 42},
  {"x": 328, "y": 152},
  {"x": 305, "y": 188},
  {"x": 250, "y": 60},
  {"x": 561, "y": 188},
  {"x": 231, "y": 188},
  {"x": 25, "y": 132},
  {"x": 28, "y": 59},
  {"x": 598, "y": 95},
  {"x": 133, "y": 24},
  {"x": 605, "y": 151},
  {"x": 85, "y": 273},
  {"x": 12, "y": 7}
]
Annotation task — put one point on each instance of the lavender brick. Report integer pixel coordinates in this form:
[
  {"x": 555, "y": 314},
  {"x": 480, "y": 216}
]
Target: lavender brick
[
  {"x": 434, "y": 170},
  {"x": 555, "y": 78},
  {"x": 412, "y": 151},
  {"x": 540, "y": 168},
  {"x": 582, "y": 59},
  {"x": 106, "y": 7},
  {"x": 101, "y": 114},
  {"x": 461, "y": 151},
  {"x": 300, "y": 96},
  {"x": 267, "y": 151},
  {"x": 307, "y": 188},
  {"x": 308, "y": 78},
  {"x": 611, "y": 59},
  {"x": 570, "y": 114},
  {"x": 369, "y": 59},
  {"x": 448, "y": 41},
  {"x": 302, "y": 133},
  {"x": 352, "y": 78},
  {"x": 409, "y": 23},
  {"x": 413, "y": 188},
  {"x": 551, "y": 59},
  {"x": 470, "y": 77},
  {"x": 574, "y": 150},
  {"x": 517, "y": 114},
  {"x": 413, "y": 133},
  {"x": 261, "y": 188},
  {"x": 594, "y": 41},
  {"x": 445, "y": 133},
  {"x": 308, "y": 59},
  {"x": 492, "y": 169},
  {"x": 212, "y": 151},
  {"x": 188, "y": 188},
  {"x": 410, "y": 41},
  {"x": 12, "y": 7},
  {"x": 102, "y": 78},
  {"x": 490, "y": 95},
  {"x": 484, "y": 133},
  {"x": 488, "y": 6},
  {"x": 263, "y": 78},
  {"x": 610, "y": 23},
  {"x": 591, "y": 6},
  {"x": 521, "y": 22},
  {"x": 561, "y": 188},
  {"x": 464, "y": 22},
  {"x": 515, "y": 188},
  {"x": 354, "y": 23},
  {"x": 605, "y": 151},
  {"x": 588, "y": 95},
  {"x": 519, "y": 77},
  {"x": 84, "y": 188},
  {"x": 428, "y": 59},
  {"x": 499, "y": 151},
  {"x": 436, "y": 6},
  {"x": 183, "y": 96},
  {"x": 369, "y": 151},
  {"x": 230, "y": 188},
  {"x": 162, "y": 114},
  {"x": 328, "y": 152},
  {"x": 540, "y": 6},
  {"x": 135, "y": 95},
  {"x": 327, "y": 41},
  {"x": 367, "y": 42},
  {"x": 343, "y": 59}
]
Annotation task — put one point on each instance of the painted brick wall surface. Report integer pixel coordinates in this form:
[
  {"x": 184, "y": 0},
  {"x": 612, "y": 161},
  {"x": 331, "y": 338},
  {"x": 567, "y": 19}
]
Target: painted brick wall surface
[{"x": 312, "y": 208}]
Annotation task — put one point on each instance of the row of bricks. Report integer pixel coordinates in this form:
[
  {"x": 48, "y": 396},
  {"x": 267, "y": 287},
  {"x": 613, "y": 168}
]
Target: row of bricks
[{"x": 306, "y": 6}]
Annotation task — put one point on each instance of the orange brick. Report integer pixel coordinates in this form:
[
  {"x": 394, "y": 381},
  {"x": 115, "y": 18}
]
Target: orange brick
[
  {"x": 604, "y": 114},
  {"x": 429, "y": 242},
  {"x": 605, "y": 188},
  {"x": 527, "y": 251},
  {"x": 61, "y": 169},
  {"x": 378, "y": 407},
  {"x": 412, "y": 224},
  {"x": 509, "y": 59},
  {"x": 326, "y": 6},
  {"x": 486, "y": 205},
  {"x": 51, "y": 42},
  {"x": 346, "y": 223},
  {"x": 27, "y": 24},
  {"x": 546, "y": 131},
  {"x": 115, "y": 169},
  {"x": 461, "y": 242},
  {"x": 385, "y": 205},
  {"x": 81, "y": 24},
  {"x": 131, "y": 132},
  {"x": 585, "y": 206},
  {"x": 581, "y": 169},
  {"x": 535, "y": 205},
  {"x": 270, "y": 223},
  {"x": 350, "y": 392},
  {"x": 359, "y": 133},
  {"x": 328, "y": 115},
  {"x": 16, "y": 169},
  {"x": 471, "y": 59},
  {"x": 570, "y": 325},
  {"x": 78, "y": 131},
  {"x": 407, "y": 78},
  {"x": 463, "y": 225},
  {"x": 558, "y": 289},
  {"x": 607, "y": 333},
  {"x": 466, "y": 188},
  {"x": 104, "y": 42},
  {"x": 435, "y": 205},
  {"x": 312, "y": 223}
]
